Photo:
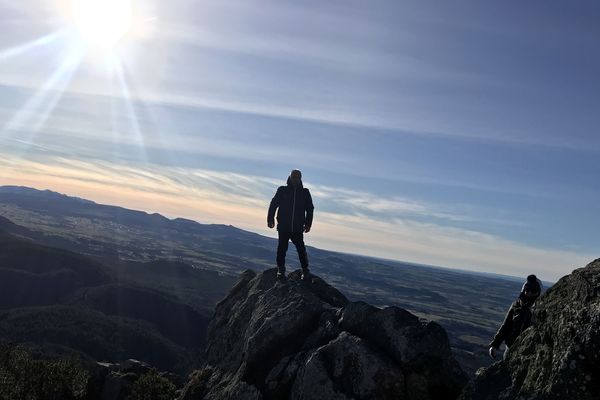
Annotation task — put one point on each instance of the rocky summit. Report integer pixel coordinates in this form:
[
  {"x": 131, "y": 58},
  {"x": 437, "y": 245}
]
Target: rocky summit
[
  {"x": 559, "y": 356},
  {"x": 305, "y": 340}
]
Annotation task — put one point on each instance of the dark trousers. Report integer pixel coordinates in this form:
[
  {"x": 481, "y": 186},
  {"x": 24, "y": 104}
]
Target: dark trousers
[{"x": 298, "y": 240}]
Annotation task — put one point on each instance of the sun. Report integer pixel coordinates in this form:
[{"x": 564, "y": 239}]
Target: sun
[{"x": 102, "y": 24}]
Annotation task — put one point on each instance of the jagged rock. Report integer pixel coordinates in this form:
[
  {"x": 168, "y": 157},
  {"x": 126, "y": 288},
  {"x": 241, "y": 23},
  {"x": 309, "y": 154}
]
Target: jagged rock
[
  {"x": 347, "y": 368},
  {"x": 559, "y": 356},
  {"x": 305, "y": 340},
  {"x": 416, "y": 345}
]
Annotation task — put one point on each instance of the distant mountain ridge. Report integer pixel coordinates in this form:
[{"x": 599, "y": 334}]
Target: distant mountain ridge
[
  {"x": 24, "y": 190},
  {"x": 20, "y": 194},
  {"x": 22, "y": 197},
  {"x": 113, "y": 232}
]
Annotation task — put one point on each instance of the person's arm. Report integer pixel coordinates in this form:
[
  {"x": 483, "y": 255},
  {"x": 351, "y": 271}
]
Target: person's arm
[
  {"x": 309, "y": 208},
  {"x": 272, "y": 208},
  {"x": 502, "y": 332}
]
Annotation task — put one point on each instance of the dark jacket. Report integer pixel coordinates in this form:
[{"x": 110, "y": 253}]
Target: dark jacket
[
  {"x": 295, "y": 208},
  {"x": 516, "y": 321}
]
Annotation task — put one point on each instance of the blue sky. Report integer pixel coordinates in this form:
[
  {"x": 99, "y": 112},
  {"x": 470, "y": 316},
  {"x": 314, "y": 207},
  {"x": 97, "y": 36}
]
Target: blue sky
[{"x": 461, "y": 134}]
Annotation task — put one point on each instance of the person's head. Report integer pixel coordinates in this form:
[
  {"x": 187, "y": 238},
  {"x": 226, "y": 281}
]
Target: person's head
[
  {"x": 295, "y": 177},
  {"x": 531, "y": 290}
]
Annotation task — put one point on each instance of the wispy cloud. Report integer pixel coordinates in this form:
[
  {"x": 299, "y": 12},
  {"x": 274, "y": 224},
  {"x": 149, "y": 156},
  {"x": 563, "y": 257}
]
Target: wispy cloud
[
  {"x": 99, "y": 127},
  {"x": 445, "y": 246},
  {"x": 357, "y": 203}
]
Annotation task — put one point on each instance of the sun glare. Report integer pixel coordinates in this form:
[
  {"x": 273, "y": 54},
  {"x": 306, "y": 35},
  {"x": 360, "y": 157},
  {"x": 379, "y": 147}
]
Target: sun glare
[{"x": 102, "y": 23}]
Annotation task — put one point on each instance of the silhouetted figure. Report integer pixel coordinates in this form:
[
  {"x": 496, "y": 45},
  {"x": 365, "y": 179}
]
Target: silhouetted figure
[
  {"x": 518, "y": 317},
  {"x": 294, "y": 218}
]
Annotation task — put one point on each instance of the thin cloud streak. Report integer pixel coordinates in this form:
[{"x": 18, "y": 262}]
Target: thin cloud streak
[
  {"x": 74, "y": 122},
  {"x": 449, "y": 247},
  {"x": 318, "y": 113},
  {"x": 358, "y": 202},
  {"x": 398, "y": 120}
]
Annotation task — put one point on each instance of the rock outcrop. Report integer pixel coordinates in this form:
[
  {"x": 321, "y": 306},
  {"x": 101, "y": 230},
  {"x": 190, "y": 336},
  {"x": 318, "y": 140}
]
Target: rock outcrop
[
  {"x": 305, "y": 340},
  {"x": 559, "y": 356}
]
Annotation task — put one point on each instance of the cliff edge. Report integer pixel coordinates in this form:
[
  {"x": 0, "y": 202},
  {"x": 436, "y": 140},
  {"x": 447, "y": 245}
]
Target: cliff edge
[{"x": 305, "y": 340}]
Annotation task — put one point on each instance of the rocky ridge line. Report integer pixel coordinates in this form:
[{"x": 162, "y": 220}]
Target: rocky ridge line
[{"x": 299, "y": 340}]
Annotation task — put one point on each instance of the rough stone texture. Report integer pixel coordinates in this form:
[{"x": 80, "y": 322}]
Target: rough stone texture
[
  {"x": 347, "y": 368},
  {"x": 420, "y": 347},
  {"x": 559, "y": 356},
  {"x": 305, "y": 340}
]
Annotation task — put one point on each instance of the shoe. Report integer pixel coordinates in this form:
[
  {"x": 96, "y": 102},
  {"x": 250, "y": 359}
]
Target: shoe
[
  {"x": 281, "y": 276},
  {"x": 305, "y": 274}
]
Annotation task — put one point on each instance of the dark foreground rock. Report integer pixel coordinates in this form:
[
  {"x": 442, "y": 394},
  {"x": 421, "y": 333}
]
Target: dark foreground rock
[
  {"x": 559, "y": 356},
  {"x": 118, "y": 381},
  {"x": 299, "y": 340}
]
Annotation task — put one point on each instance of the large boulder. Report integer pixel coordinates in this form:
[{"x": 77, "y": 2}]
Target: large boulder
[
  {"x": 559, "y": 356},
  {"x": 305, "y": 340}
]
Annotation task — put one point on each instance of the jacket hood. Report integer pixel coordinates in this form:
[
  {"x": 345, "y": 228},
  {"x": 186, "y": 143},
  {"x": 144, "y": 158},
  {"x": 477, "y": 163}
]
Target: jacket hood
[
  {"x": 289, "y": 183},
  {"x": 533, "y": 283}
]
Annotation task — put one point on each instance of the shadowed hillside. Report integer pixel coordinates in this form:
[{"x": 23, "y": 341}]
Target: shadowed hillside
[
  {"x": 31, "y": 274},
  {"x": 60, "y": 330},
  {"x": 177, "y": 322},
  {"x": 58, "y": 302}
]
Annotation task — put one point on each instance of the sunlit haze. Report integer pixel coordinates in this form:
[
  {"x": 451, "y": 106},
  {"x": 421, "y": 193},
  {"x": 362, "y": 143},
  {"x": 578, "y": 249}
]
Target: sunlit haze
[
  {"x": 102, "y": 23},
  {"x": 460, "y": 134}
]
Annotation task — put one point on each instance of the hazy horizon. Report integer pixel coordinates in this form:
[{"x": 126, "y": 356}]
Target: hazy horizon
[
  {"x": 517, "y": 278},
  {"x": 463, "y": 135}
]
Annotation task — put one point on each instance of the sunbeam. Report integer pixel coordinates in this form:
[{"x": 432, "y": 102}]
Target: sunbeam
[
  {"x": 32, "y": 116},
  {"x": 56, "y": 83},
  {"x": 67, "y": 70},
  {"x": 132, "y": 117},
  {"x": 26, "y": 47},
  {"x": 90, "y": 37}
]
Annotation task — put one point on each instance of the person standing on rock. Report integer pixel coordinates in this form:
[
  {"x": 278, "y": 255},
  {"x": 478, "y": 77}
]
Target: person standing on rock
[
  {"x": 294, "y": 218},
  {"x": 518, "y": 317}
]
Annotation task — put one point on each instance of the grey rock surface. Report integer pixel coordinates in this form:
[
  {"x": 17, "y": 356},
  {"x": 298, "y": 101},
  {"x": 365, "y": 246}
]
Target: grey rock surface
[
  {"x": 305, "y": 340},
  {"x": 559, "y": 356}
]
